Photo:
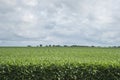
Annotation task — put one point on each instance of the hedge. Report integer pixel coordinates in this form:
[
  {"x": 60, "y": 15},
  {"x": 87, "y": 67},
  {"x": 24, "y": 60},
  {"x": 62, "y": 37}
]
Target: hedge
[{"x": 59, "y": 72}]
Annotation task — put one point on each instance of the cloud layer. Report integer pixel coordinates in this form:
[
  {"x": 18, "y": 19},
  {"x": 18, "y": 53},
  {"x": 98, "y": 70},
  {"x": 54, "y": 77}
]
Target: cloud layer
[{"x": 83, "y": 22}]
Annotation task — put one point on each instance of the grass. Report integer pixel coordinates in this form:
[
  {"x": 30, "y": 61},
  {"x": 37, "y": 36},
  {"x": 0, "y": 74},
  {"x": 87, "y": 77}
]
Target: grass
[{"x": 59, "y": 55}]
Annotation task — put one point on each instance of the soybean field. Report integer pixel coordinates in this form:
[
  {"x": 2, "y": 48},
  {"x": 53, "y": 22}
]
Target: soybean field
[{"x": 59, "y": 63}]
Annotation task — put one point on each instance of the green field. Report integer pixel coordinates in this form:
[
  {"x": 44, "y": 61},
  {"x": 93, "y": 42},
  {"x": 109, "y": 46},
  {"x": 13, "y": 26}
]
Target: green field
[
  {"x": 59, "y": 55},
  {"x": 103, "y": 60}
]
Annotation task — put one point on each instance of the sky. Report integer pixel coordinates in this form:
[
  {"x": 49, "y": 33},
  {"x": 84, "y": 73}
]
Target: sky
[{"x": 78, "y": 22}]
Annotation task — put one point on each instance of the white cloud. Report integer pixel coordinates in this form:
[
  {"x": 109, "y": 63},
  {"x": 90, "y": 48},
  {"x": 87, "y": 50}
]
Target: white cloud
[
  {"x": 30, "y": 2},
  {"x": 61, "y": 21},
  {"x": 29, "y": 17},
  {"x": 9, "y": 2}
]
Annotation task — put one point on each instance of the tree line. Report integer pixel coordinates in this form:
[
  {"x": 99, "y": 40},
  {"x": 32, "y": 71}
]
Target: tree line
[{"x": 71, "y": 46}]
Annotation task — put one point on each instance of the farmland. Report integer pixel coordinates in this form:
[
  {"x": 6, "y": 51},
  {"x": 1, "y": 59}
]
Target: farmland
[
  {"x": 104, "y": 60},
  {"x": 59, "y": 55}
]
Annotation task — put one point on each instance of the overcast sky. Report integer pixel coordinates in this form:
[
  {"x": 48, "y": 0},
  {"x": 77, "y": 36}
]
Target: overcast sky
[{"x": 82, "y": 22}]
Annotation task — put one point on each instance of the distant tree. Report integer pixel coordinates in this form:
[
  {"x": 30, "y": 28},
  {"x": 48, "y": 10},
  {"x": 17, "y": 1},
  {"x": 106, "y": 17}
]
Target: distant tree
[
  {"x": 74, "y": 46},
  {"x": 29, "y": 46},
  {"x": 114, "y": 46},
  {"x": 49, "y": 45},
  {"x": 65, "y": 45},
  {"x": 118, "y": 46},
  {"x": 53, "y": 45},
  {"x": 92, "y": 46},
  {"x": 40, "y": 45},
  {"x": 58, "y": 45}
]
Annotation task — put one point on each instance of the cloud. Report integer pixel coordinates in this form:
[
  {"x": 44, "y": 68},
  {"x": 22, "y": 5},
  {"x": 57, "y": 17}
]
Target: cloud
[
  {"x": 30, "y": 2},
  {"x": 85, "y": 22}
]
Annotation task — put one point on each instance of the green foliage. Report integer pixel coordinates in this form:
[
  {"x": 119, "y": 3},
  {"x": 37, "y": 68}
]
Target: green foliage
[
  {"x": 59, "y": 63},
  {"x": 55, "y": 72}
]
